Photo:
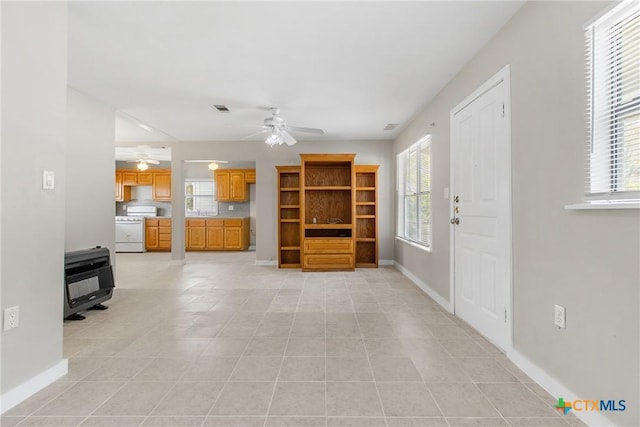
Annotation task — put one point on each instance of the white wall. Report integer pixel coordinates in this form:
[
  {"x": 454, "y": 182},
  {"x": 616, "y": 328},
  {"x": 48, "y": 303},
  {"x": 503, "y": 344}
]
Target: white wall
[
  {"x": 90, "y": 170},
  {"x": 34, "y": 85},
  {"x": 586, "y": 261},
  {"x": 266, "y": 159}
]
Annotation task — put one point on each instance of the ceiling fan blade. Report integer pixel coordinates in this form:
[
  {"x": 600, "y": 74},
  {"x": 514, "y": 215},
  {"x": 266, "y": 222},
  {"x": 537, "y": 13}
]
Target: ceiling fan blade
[
  {"x": 257, "y": 133},
  {"x": 287, "y": 138},
  {"x": 307, "y": 130},
  {"x": 152, "y": 161}
]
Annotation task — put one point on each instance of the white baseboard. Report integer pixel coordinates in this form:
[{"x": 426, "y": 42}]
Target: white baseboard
[
  {"x": 425, "y": 288},
  {"x": 386, "y": 262},
  {"x": 266, "y": 263},
  {"x": 30, "y": 387},
  {"x": 556, "y": 389}
]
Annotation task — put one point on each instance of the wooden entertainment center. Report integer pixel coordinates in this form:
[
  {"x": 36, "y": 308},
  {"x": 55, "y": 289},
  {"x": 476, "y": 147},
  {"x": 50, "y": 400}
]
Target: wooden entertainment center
[{"x": 327, "y": 214}]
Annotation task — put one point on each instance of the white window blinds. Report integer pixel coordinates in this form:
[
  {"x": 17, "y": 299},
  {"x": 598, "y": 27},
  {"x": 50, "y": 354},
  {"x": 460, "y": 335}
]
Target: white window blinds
[
  {"x": 613, "y": 90},
  {"x": 414, "y": 175}
]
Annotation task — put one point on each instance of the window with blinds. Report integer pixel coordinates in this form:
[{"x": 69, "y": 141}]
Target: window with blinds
[
  {"x": 200, "y": 197},
  {"x": 613, "y": 90},
  {"x": 414, "y": 185}
]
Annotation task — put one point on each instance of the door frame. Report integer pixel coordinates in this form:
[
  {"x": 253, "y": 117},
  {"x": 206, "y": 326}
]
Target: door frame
[{"x": 502, "y": 76}]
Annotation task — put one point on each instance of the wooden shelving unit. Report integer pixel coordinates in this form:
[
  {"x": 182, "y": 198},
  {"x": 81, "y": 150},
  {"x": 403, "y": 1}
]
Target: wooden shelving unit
[
  {"x": 327, "y": 214},
  {"x": 366, "y": 195},
  {"x": 288, "y": 216},
  {"x": 328, "y": 211}
]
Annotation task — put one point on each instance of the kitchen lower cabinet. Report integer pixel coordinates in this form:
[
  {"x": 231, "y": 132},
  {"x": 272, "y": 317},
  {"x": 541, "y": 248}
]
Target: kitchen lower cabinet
[
  {"x": 158, "y": 234},
  {"x": 217, "y": 234}
]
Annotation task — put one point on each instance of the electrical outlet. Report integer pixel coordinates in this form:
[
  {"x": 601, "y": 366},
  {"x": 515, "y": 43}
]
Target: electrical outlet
[
  {"x": 230, "y": 207},
  {"x": 559, "y": 316},
  {"x": 11, "y": 317}
]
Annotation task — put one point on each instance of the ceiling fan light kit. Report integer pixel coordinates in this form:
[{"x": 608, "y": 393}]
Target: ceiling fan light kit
[
  {"x": 142, "y": 165},
  {"x": 280, "y": 131},
  {"x": 213, "y": 166}
]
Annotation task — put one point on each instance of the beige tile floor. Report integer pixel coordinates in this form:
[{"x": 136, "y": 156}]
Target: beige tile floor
[{"x": 222, "y": 342}]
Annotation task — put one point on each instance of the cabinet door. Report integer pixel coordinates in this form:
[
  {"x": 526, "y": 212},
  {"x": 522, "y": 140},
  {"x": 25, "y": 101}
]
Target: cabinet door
[
  {"x": 118, "y": 186},
  {"x": 196, "y": 238},
  {"x": 238, "y": 186},
  {"x": 222, "y": 185},
  {"x": 145, "y": 178},
  {"x": 250, "y": 176},
  {"x": 162, "y": 186},
  {"x": 151, "y": 237},
  {"x": 215, "y": 238},
  {"x": 233, "y": 237},
  {"x": 130, "y": 178}
]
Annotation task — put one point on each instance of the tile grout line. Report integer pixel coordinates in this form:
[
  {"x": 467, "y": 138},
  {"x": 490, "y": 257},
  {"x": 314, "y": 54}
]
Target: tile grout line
[
  {"x": 275, "y": 383},
  {"x": 375, "y": 383}
]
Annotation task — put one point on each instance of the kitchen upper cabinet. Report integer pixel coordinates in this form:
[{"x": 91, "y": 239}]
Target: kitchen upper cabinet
[
  {"x": 222, "y": 179},
  {"x": 129, "y": 178},
  {"x": 162, "y": 186},
  {"x": 123, "y": 193},
  {"x": 250, "y": 176},
  {"x": 145, "y": 178},
  {"x": 230, "y": 185}
]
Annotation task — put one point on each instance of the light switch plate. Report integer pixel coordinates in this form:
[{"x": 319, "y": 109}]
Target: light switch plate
[{"x": 48, "y": 180}]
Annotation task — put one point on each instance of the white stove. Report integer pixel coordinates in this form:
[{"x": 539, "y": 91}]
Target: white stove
[{"x": 130, "y": 228}]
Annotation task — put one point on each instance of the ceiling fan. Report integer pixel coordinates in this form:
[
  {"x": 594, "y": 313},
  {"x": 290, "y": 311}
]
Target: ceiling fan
[
  {"x": 280, "y": 130},
  {"x": 143, "y": 155}
]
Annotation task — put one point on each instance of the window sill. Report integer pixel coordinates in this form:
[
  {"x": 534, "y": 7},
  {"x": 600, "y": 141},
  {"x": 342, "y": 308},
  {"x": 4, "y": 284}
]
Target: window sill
[
  {"x": 604, "y": 204},
  {"x": 415, "y": 245}
]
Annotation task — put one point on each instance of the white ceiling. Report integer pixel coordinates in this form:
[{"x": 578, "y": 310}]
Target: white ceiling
[{"x": 349, "y": 68}]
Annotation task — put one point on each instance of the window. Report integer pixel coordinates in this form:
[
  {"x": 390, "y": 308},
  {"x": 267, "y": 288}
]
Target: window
[
  {"x": 414, "y": 193},
  {"x": 613, "y": 88},
  {"x": 199, "y": 197}
]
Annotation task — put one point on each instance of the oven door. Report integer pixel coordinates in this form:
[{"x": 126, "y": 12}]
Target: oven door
[{"x": 130, "y": 236}]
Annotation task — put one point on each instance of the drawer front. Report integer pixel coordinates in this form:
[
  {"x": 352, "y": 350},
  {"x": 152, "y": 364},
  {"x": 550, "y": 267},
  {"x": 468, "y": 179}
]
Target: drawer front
[
  {"x": 233, "y": 223},
  {"x": 152, "y": 222},
  {"x": 328, "y": 262},
  {"x": 164, "y": 230},
  {"x": 215, "y": 222},
  {"x": 164, "y": 237},
  {"x": 328, "y": 246},
  {"x": 196, "y": 222},
  {"x": 164, "y": 222},
  {"x": 164, "y": 244}
]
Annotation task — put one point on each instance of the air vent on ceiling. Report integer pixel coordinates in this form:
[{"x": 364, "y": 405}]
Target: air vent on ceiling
[
  {"x": 391, "y": 126},
  {"x": 220, "y": 108}
]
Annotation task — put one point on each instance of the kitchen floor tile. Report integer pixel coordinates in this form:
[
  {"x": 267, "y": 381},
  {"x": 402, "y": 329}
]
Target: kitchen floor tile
[
  {"x": 80, "y": 400},
  {"x": 348, "y": 369},
  {"x": 394, "y": 369},
  {"x": 210, "y": 369},
  {"x": 461, "y": 400},
  {"x": 305, "y": 347},
  {"x": 188, "y": 398},
  {"x": 135, "y": 398},
  {"x": 302, "y": 369},
  {"x": 244, "y": 398},
  {"x": 295, "y": 422},
  {"x": 298, "y": 399},
  {"x": 257, "y": 369},
  {"x": 215, "y": 421},
  {"x": 353, "y": 399},
  {"x": 407, "y": 399},
  {"x": 112, "y": 422},
  {"x": 173, "y": 422}
]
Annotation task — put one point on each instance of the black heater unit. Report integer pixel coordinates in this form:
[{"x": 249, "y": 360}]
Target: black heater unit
[{"x": 88, "y": 281}]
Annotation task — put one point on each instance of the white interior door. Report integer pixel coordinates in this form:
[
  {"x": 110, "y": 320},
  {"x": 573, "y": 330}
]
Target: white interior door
[{"x": 481, "y": 212}]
